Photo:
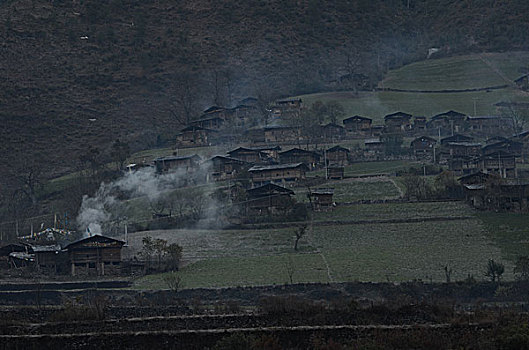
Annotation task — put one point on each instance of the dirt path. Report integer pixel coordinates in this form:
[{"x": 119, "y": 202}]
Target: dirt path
[{"x": 496, "y": 70}]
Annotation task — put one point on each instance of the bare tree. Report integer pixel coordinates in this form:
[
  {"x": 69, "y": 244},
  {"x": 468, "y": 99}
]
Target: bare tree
[
  {"x": 300, "y": 232},
  {"x": 289, "y": 266},
  {"x": 519, "y": 116}
]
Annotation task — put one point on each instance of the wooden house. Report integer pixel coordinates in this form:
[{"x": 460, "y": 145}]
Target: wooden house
[
  {"x": 495, "y": 139},
  {"x": 523, "y": 138},
  {"x": 498, "y": 194},
  {"x": 505, "y": 145},
  {"x": 298, "y": 155},
  {"x": 463, "y": 165},
  {"x": 243, "y": 115},
  {"x": 374, "y": 148},
  {"x": 95, "y": 255},
  {"x": 195, "y": 136},
  {"x": 225, "y": 168},
  {"x": 50, "y": 258},
  {"x": 419, "y": 125},
  {"x": 463, "y": 149},
  {"x": 398, "y": 122},
  {"x": 499, "y": 163},
  {"x": 377, "y": 130},
  {"x": 337, "y": 155},
  {"x": 281, "y": 134},
  {"x": 335, "y": 172},
  {"x": 212, "y": 123},
  {"x": 187, "y": 163},
  {"x": 280, "y": 173},
  {"x": 358, "y": 124},
  {"x": 447, "y": 123},
  {"x": 269, "y": 197},
  {"x": 490, "y": 125},
  {"x": 423, "y": 147},
  {"x": 333, "y": 131},
  {"x": 321, "y": 198},
  {"x": 249, "y": 155}
]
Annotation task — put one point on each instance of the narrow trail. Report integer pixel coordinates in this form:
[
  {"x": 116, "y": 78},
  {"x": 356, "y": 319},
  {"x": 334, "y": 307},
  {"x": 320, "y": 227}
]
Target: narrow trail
[
  {"x": 401, "y": 193},
  {"x": 318, "y": 250},
  {"x": 496, "y": 70}
]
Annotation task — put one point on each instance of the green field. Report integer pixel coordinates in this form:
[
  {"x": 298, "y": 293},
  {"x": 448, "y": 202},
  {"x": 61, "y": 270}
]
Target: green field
[
  {"x": 459, "y": 72},
  {"x": 368, "y": 252},
  {"x": 453, "y": 73}
]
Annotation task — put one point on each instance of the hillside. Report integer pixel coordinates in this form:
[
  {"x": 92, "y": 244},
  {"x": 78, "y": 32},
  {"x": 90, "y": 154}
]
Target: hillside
[
  {"x": 125, "y": 63},
  {"x": 474, "y": 71}
]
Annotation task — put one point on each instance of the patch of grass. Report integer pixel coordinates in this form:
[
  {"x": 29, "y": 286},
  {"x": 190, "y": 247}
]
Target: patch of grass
[
  {"x": 385, "y": 211},
  {"x": 245, "y": 271},
  {"x": 509, "y": 231},
  {"x": 402, "y": 252}
]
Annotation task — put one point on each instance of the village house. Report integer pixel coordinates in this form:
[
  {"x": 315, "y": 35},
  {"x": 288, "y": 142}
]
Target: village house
[
  {"x": 281, "y": 134},
  {"x": 95, "y": 255},
  {"x": 269, "y": 198},
  {"x": 249, "y": 155},
  {"x": 335, "y": 172},
  {"x": 50, "y": 258},
  {"x": 419, "y": 125},
  {"x": 298, "y": 155},
  {"x": 213, "y": 123},
  {"x": 279, "y": 174},
  {"x": 398, "y": 122},
  {"x": 226, "y": 168},
  {"x": 495, "y": 139},
  {"x": 424, "y": 148},
  {"x": 187, "y": 163},
  {"x": 488, "y": 192},
  {"x": 321, "y": 198},
  {"x": 447, "y": 123},
  {"x": 337, "y": 155},
  {"x": 504, "y": 145},
  {"x": 499, "y": 163},
  {"x": 490, "y": 125},
  {"x": 243, "y": 114},
  {"x": 333, "y": 132},
  {"x": 523, "y": 138},
  {"x": 463, "y": 165},
  {"x": 374, "y": 148},
  {"x": 463, "y": 149},
  {"x": 195, "y": 136},
  {"x": 358, "y": 125},
  {"x": 287, "y": 107}
]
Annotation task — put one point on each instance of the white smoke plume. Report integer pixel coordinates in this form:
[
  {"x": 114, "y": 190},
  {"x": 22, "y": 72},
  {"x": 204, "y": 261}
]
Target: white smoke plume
[{"x": 97, "y": 212}]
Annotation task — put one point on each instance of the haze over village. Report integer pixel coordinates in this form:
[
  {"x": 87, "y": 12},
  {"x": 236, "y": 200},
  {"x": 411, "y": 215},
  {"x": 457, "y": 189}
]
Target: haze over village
[{"x": 265, "y": 175}]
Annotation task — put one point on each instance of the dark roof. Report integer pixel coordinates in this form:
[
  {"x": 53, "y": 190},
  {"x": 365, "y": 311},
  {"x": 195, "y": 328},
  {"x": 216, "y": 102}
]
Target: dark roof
[
  {"x": 337, "y": 149},
  {"x": 332, "y": 125},
  {"x": 248, "y": 100},
  {"x": 484, "y": 117},
  {"x": 175, "y": 158},
  {"x": 322, "y": 191},
  {"x": 521, "y": 78},
  {"x": 478, "y": 175},
  {"x": 277, "y": 127},
  {"x": 355, "y": 117},
  {"x": 231, "y": 159},
  {"x": 238, "y": 149},
  {"x": 268, "y": 189},
  {"x": 456, "y": 138},
  {"x": 422, "y": 138},
  {"x": 397, "y": 115},
  {"x": 448, "y": 114},
  {"x": 289, "y": 100},
  {"x": 497, "y": 154},
  {"x": 196, "y": 128},
  {"x": 46, "y": 248},
  {"x": 206, "y": 119},
  {"x": 94, "y": 238},
  {"x": 464, "y": 144},
  {"x": 277, "y": 167},
  {"x": 299, "y": 150},
  {"x": 496, "y": 139},
  {"x": 213, "y": 109}
]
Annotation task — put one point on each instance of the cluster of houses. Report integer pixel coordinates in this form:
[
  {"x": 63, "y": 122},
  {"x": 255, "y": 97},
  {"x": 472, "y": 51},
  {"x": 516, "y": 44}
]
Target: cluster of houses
[{"x": 90, "y": 256}]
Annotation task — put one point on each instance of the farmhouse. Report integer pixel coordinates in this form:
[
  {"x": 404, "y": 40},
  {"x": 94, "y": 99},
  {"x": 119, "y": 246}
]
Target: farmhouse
[
  {"x": 419, "y": 125},
  {"x": 490, "y": 125},
  {"x": 49, "y": 258},
  {"x": 463, "y": 149},
  {"x": 194, "y": 136},
  {"x": 280, "y": 173},
  {"x": 335, "y": 172},
  {"x": 213, "y": 123},
  {"x": 249, "y": 155},
  {"x": 493, "y": 193},
  {"x": 447, "y": 123},
  {"x": 225, "y": 168},
  {"x": 463, "y": 165},
  {"x": 281, "y": 134},
  {"x": 423, "y": 147},
  {"x": 96, "y": 255},
  {"x": 187, "y": 163},
  {"x": 358, "y": 124},
  {"x": 500, "y": 163},
  {"x": 243, "y": 114},
  {"x": 269, "y": 197},
  {"x": 298, "y": 155},
  {"x": 398, "y": 122},
  {"x": 374, "y": 148},
  {"x": 337, "y": 155},
  {"x": 505, "y": 145},
  {"x": 333, "y": 131},
  {"x": 321, "y": 198}
]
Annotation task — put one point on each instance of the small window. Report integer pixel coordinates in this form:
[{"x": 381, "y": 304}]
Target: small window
[{"x": 91, "y": 265}]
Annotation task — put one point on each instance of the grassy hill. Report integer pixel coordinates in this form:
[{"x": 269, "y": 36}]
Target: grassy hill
[{"x": 455, "y": 73}]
